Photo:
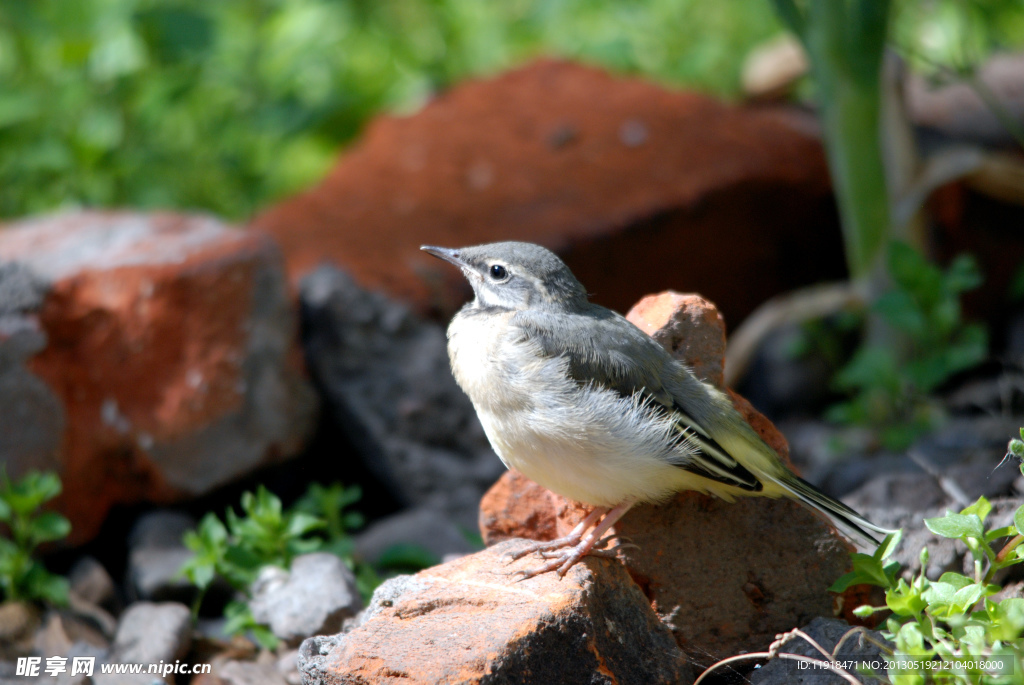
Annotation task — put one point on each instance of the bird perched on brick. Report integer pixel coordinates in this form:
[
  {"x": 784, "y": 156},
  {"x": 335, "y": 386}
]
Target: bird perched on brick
[{"x": 581, "y": 401}]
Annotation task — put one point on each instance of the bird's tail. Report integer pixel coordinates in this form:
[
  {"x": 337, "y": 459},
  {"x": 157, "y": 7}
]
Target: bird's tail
[{"x": 849, "y": 522}]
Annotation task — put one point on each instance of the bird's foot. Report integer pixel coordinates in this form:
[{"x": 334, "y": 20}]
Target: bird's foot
[
  {"x": 600, "y": 549},
  {"x": 559, "y": 561},
  {"x": 543, "y": 547},
  {"x": 562, "y": 554}
]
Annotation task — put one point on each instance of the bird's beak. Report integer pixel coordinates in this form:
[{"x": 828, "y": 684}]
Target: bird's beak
[{"x": 446, "y": 253}]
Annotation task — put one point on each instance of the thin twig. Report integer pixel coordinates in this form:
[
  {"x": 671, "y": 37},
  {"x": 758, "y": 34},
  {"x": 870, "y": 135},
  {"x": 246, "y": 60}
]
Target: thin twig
[
  {"x": 789, "y": 308},
  {"x": 773, "y": 653}
]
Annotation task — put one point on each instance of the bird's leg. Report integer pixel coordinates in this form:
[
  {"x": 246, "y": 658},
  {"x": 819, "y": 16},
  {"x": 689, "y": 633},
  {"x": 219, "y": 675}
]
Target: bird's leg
[
  {"x": 573, "y": 553},
  {"x": 569, "y": 540}
]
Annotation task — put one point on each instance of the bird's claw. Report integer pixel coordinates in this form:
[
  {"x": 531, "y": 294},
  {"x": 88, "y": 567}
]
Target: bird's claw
[{"x": 538, "y": 546}]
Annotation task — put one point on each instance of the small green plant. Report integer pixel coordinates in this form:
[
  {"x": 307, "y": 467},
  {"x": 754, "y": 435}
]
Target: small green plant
[
  {"x": 950, "y": 630},
  {"x": 890, "y": 386},
  {"x": 22, "y": 576},
  {"x": 265, "y": 535},
  {"x": 329, "y": 503}
]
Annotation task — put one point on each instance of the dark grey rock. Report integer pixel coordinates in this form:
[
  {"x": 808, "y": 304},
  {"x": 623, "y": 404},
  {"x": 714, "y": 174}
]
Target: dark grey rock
[
  {"x": 943, "y": 554},
  {"x": 21, "y": 289},
  {"x": 156, "y": 555},
  {"x": 958, "y": 462},
  {"x": 312, "y": 598},
  {"x": 827, "y": 632},
  {"x": 781, "y": 384},
  {"x": 311, "y": 657},
  {"x": 387, "y": 378},
  {"x": 426, "y": 528},
  {"x": 31, "y": 415},
  {"x": 91, "y": 583}
]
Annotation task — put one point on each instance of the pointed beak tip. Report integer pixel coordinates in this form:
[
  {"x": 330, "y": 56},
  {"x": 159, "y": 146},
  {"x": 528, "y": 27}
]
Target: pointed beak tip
[{"x": 445, "y": 253}]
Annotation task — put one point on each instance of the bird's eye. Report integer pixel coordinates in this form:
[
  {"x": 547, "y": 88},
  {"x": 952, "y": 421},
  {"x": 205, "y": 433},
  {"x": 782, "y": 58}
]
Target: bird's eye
[{"x": 498, "y": 272}]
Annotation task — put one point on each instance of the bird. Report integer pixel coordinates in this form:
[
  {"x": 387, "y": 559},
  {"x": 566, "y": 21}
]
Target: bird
[{"x": 581, "y": 401}]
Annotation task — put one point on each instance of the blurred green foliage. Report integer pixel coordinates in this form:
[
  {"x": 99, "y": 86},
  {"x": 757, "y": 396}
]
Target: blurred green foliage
[
  {"x": 22, "y": 576},
  {"x": 226, "y": 106},
  {"x": 956, "y": 34},
  {"x": 891, "y": 386}
]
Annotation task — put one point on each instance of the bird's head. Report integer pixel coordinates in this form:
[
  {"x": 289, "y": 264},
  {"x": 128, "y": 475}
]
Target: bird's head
[{"x": 514, "y": 275}]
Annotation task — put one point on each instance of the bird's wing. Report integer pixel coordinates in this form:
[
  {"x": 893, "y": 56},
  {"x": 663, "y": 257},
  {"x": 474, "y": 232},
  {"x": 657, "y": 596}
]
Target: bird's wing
[{"x": 602, "y": 348}]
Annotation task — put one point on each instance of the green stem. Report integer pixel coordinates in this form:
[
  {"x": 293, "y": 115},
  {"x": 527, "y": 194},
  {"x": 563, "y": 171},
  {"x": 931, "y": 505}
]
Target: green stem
[
  {"x": 845, "y": 43},
  {"x": 1000, "y": 559}
]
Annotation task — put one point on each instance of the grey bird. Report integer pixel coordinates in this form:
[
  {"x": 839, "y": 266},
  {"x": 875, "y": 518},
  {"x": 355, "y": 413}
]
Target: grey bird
[{"x": 581, "y": 401}]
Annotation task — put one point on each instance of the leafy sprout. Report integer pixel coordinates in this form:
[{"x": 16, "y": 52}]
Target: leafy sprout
[{"x": 22, "y": 576}]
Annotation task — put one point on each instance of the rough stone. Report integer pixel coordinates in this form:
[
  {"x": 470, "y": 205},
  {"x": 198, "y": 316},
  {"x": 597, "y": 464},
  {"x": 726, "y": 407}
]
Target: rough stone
[
  {"x": 425, "y": 528},
  {"x": 468, "y": 621},
  {"x": 151, "y": 632},
  {"x": 516, "y": 507},
  {"x": 617, "y": 175},
  {"x": 91, "y": 583},
  {"x": 156, "y": 555},
  {"x": 386, "y": 376},
  {"x": 772, "y": 560},
  {"x": 18, "y": 624},
  {"x": 235, "y": 672},
  {"x": 943, "y": 554},
  {"x": 827, "y": 632},
  {"x": 170, "y": 363},
  {"x": 685, "y": 322},
  {"x": 32, "y": 417},
  {"x": 312, "y": 598},
  {"x": 52, "y": 638}
]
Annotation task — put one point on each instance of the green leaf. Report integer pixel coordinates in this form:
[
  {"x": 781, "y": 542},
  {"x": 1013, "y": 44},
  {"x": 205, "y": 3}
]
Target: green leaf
[
  {"x": 239, "y": 618},
  {"x": 1007, "y": 619},
  {"x": 200, "y": 575},
  {"x": 888, "y": 546},
  {"x": 997, "y": 533},
  {"x": 956, "y": 526},
  {"x": 299, "y": 524},
  {"x": 264, "y": 637},
  {"x": 1018, "y": 520},
  {"x": 41, "y": 584},
  {"x": 901, "y": 310},
  {"x": 909, "y": 639},
  {"x": 32, "y": 491},
  {"x": 912, "y": 272},
  {"x": 848, "y": 580},
  {"x": 48, "y": 526},
  {"x": 956, "y": 580},
  {"x": 968, "y": 596},
  {"x": 980, "y": 508},
  {"x": 939, "y": 594},
  {"x": 904, "y": 600},
  {"x": 6, "y": 511},
  {"x": 963, "y": 274}
]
